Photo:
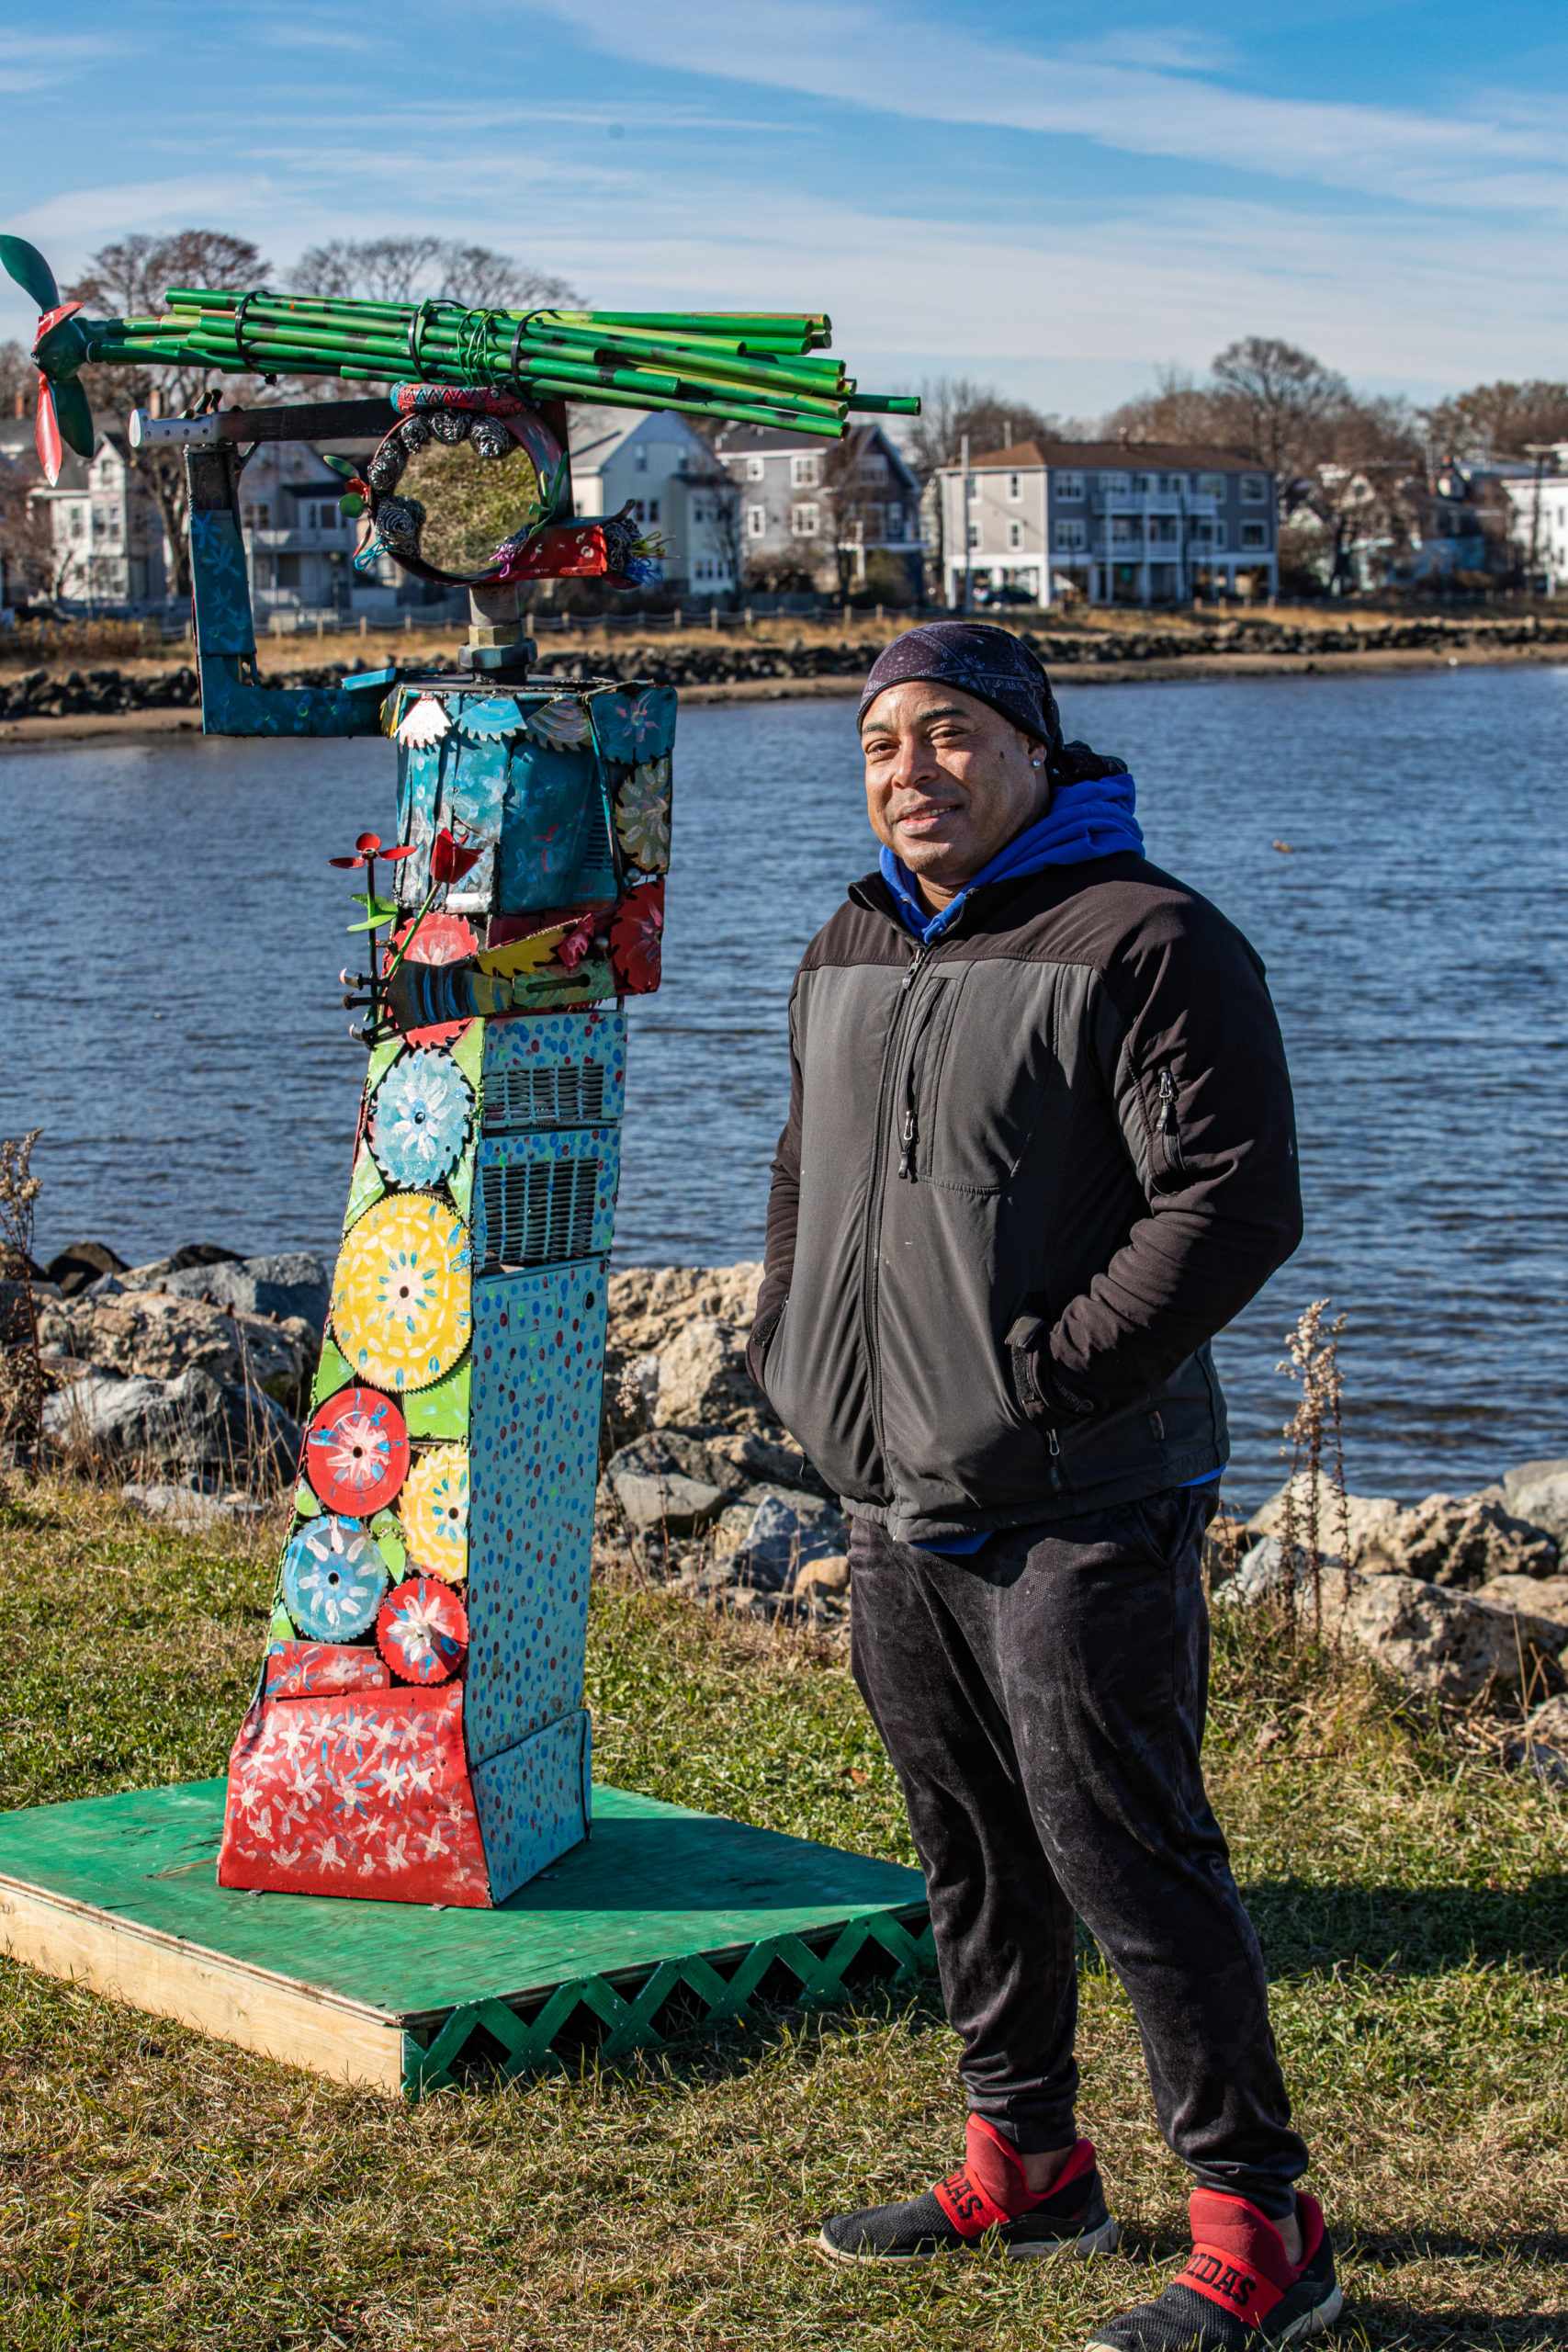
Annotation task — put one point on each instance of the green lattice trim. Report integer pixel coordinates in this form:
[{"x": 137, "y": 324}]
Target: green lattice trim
[{"x": 626, "y": 2012}]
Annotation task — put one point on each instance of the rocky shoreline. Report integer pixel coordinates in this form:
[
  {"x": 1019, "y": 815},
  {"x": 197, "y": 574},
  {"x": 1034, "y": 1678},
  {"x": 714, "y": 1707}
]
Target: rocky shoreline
[
  {"x": 34, "y": 702},
  {"x": 186, "y": 1381}
]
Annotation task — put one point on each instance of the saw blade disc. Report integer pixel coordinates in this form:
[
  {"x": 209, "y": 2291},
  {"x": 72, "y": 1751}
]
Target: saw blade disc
[
  {"x": 401, "y": 1308},
  {"x": 356, "y": 1451}
]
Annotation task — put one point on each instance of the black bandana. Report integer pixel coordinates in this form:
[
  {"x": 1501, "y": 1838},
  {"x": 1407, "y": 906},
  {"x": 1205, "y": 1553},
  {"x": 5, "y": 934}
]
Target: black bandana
[{"x": 996, "y": 668}]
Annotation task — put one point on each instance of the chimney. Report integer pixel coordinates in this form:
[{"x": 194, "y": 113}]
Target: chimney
[
  {"x": 1007, "y": 433},
  {"x": 21, "y": 408},
  {"x": 155, "y": 400}
]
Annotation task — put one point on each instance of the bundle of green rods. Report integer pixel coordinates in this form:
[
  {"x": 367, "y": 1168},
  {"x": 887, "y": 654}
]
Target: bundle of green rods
[{"x": 761, "y": 367}]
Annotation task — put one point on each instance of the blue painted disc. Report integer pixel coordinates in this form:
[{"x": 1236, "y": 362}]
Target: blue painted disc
[
  {"x": 333, "y": 1578},
  {"x": 419, "y": 1118}
]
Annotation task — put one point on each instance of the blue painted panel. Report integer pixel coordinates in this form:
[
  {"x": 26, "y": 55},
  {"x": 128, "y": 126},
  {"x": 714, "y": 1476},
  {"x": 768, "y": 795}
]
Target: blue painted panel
[
  {"x": 532, "y": 1803},
  {"x": 533, "y": 1472},
  {"x": 554, "y": 1069}
]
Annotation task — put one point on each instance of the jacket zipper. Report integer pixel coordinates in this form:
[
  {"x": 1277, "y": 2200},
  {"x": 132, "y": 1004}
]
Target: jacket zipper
[
  {"x": 908, "y": 1133},
  {"x": 873, "y": 1239}
]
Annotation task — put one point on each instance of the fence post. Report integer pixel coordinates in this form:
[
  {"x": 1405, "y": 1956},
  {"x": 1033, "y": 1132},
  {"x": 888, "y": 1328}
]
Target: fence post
[
  {"x": 364, "y": 624},
  {"x": 321, "y": 626},
  {"x": 713, "y": 616},
  {"x": 408, "y": 622},
  {"x": 748, "y": 620}
]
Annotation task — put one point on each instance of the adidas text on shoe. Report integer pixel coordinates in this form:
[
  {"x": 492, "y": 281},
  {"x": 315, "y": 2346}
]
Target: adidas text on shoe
[
  {"x": 987, "y": 2201},
  {"x": 1240, "y": 2290}
]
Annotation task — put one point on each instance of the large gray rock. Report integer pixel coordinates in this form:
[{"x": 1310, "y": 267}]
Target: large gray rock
[
  {"x": 160, "y": 1335},
  {"x": 292, "y": 1283},
  {"x": 1438, "y": 1641},
  {"x": 650, "y": 1304},
  {"x": 666, "y": 1480},
  {"x": 1366, "y": 1514},
  {"x": 1458, "y": 1540},
  {"x": 1539, "y": 1492},
  {"x": 755, "y": 1456},
  {"x": 194, "y": 1425},
  {"x": 703, "y": 1377},
  {"x": 1528, "y": 1596},
  {"x": 785, "y": 1532}
]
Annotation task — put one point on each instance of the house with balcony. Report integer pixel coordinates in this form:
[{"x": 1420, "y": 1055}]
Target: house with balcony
[
  {"x": 1107, "y": 522},
  {"x": 840, "y": 512},
  {"x": 668, "y": 472}
]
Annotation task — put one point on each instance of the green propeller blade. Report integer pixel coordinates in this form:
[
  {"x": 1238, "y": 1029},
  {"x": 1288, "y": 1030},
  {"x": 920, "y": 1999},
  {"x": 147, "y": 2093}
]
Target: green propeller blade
[
  {"x": 27, "y": 266},
  {"x": 76, "y": 417}
]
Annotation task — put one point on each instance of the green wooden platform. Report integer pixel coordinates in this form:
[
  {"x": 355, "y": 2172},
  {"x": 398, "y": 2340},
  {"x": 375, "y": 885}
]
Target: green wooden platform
[{"x": 665, "y": 1919}]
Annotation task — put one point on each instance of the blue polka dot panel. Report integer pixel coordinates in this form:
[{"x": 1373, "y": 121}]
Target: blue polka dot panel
[{"x": 417, "y": 1731}]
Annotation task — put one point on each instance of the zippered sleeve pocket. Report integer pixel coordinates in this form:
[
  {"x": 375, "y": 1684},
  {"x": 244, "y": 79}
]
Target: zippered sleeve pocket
[{"x": 1170, "y": 1161}]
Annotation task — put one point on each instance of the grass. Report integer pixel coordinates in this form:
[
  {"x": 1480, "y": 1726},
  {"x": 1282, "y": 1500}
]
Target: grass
[{"x": 160, "y": 2190}]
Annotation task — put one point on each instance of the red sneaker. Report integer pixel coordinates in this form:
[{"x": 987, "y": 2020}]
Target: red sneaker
[
  {"x": 987, "y": 2194},
  {"x": 1240, "y": 2288}
]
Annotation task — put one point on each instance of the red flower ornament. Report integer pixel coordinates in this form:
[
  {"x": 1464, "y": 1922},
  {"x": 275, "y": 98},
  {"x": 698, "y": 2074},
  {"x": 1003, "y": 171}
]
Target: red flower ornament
[
  {"x": 636, "y": 938},
  {"x": 450, "y": 859}
]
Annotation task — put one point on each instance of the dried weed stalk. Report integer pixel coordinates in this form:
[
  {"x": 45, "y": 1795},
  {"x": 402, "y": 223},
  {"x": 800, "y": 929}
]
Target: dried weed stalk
[
  {"x": 21, "y": 1365},
  {"x": 1314, "y": 1446}
]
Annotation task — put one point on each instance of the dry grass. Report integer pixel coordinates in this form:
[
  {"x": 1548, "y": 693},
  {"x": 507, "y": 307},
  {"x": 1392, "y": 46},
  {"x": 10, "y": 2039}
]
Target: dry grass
[{"x": 159, "y": 2190}]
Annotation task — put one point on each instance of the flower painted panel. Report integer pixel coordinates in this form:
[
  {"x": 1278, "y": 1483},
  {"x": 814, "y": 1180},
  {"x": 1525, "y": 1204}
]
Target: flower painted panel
[
  {"x": 642, "y": 816},
  {"x": 307, "y": 1669},
  {"x": 361, "y": 1793}
]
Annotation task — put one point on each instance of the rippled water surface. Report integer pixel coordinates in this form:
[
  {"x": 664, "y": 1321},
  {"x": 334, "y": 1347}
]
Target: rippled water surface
[{"x": 172, "y": 936}]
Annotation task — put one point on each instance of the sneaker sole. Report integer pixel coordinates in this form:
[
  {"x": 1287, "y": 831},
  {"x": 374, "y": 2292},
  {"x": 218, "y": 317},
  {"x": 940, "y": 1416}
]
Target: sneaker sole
[
  {"x": 1313, "y": 2323},
  {"x": 1102, "y": 2240}
]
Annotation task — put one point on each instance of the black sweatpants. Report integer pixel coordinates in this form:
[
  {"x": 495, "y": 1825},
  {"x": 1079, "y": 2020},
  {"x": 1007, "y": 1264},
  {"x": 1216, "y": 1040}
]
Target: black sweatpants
[{"x": 1042, "y": 1702}]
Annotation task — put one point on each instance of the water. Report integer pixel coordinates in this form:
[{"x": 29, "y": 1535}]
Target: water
[{"x": 174, "y": 931}]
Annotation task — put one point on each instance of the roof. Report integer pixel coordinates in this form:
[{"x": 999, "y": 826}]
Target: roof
[
  {"x": 769, "y": 440},
  {"x": 1118, "y": 455},
  {"x": 597, "y": 432}
]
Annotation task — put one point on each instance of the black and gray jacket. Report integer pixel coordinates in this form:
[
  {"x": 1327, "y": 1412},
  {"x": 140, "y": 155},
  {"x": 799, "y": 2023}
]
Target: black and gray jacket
[{"x": 1028, "y": 1172}]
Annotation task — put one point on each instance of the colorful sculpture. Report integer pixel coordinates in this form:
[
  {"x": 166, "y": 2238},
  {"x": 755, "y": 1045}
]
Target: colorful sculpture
[{"x": 417, "y": 1733}]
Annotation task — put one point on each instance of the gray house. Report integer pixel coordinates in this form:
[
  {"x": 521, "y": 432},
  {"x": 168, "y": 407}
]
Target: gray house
[
  {"x": 827, "y": 506},
  {"x": 1111, "y": 522}
]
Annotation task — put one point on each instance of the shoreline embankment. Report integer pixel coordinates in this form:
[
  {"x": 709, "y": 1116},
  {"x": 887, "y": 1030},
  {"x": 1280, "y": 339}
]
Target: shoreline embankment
[{"x": 52, "y": 704}]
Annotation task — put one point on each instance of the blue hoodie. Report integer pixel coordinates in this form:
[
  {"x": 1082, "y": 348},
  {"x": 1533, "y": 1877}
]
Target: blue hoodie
[{"x": 1084, "y": 822}]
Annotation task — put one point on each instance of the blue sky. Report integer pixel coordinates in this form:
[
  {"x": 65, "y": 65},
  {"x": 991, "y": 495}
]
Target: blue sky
[{"x": 1057, "y": 199}]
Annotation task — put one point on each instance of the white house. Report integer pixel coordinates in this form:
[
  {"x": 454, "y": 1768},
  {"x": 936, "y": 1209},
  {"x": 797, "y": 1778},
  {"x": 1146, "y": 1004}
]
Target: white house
[
  {"x": 107, "y": 533},
  {"x": 675, "y": 486},
  {"x": 1537, "y": 520}
]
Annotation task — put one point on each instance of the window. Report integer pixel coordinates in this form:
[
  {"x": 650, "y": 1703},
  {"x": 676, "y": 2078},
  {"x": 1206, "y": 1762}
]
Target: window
[
  {"x": 974, "y": 535},
  {"x": 1254, "y": 490},
  {"x": 895, "y": 520},
  {"x": 1255, "y": 535},
  {"x": 1072, "y": 535},
  {"x": 756, "y": 469},
  {"x": 1117, "y": 485},
  {"x": 1015, "y": 534},
  {"x": 639, "y": 461},
  {"x": 1173, "y": 485},
  {"x": 1123, "y": 529},
  {"x": 1141, "y": 485},
  {"x": 804, "y": 470},
  {"x": 872, "y": 468},
  {"x": 869, "y": 525},
  {"x": 653, "y": 510},
  {"x": 1164, "y": 528},
  {"x": 1066, "y": 485},
  {"x": 1014, "y": 492},
  {"x": 1211, "y": 485},
  {"x": 807, "y": 520},
  {"x": 756, "y": 522}
]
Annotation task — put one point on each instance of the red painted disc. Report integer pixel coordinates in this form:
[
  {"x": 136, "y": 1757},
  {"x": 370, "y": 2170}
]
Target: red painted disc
[
  {"x": 422, "y": 1630},
  {"x": 356, "y": 1452}
]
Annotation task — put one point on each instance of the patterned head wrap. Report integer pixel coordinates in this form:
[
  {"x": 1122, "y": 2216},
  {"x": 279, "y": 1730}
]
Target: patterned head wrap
[{"x": 996, "y": 668}]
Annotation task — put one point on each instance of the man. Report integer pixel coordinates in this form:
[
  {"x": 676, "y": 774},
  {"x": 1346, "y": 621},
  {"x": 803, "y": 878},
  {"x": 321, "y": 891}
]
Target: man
[{"x": 1039, "y": 1149}]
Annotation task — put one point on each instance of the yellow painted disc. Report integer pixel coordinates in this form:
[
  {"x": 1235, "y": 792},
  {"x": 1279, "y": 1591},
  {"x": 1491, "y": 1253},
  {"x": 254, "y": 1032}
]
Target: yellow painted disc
[
  {"x": 433, "y": 1508},
  {"x": 401, "y": 1308}
]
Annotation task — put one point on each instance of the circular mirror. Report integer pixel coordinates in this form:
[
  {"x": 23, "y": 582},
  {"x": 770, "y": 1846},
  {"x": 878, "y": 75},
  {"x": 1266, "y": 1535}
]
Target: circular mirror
[{"x": 448, "y": 487}]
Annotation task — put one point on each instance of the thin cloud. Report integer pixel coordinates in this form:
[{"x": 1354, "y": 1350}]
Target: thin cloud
[{"x": 862, "y": 57}]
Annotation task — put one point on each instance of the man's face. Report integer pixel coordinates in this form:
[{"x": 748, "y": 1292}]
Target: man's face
[{"x": 948, "y": 781}]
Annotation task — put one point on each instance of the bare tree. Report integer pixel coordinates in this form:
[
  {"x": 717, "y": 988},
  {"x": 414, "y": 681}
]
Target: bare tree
[
  {"x": 17, "y": 377},
  {"x": 1498, "y": 420},
  {"x": 1180, "y": 409},
  {"x": 30, "y": 563},
  {"x": 416, "y": 269},
  {"x": 952, "y": 406},
  {"x": 129, "y": 279},
  {"x": 1283, "y": 401}
]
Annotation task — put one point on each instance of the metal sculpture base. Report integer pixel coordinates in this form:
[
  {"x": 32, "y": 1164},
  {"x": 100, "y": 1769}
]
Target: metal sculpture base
[{"x": 664, "y": 1922}]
